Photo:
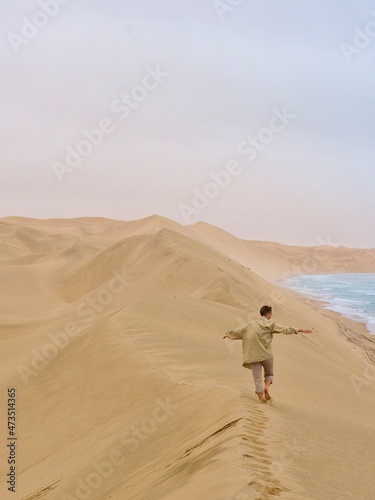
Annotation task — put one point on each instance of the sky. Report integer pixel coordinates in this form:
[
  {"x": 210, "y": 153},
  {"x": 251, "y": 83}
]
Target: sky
[{"x": 256, "y": 117}]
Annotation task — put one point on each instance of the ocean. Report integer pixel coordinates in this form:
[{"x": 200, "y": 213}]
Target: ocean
[{"x": 352, "y": 295}]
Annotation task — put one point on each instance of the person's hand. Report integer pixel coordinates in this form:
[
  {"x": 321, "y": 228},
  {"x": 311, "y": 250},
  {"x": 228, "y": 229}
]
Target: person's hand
[
  {"x": 225, "y": 336},
  {"x": 305, "y": 331}
]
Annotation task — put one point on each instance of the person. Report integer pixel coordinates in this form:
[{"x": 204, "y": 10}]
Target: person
[{"x": 256, "y": 339}]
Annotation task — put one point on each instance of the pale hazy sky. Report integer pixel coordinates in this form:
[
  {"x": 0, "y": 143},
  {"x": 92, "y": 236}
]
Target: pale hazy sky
[{"x": 204, "y": 77}]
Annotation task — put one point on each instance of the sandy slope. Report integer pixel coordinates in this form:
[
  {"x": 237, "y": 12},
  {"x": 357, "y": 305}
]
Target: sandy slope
[{"x": 111, "y": 333}]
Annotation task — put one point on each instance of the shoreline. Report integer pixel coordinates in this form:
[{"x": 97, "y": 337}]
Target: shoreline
[
  {"x": 329, "y": 305},
  {"x": 354, "y": 331}
]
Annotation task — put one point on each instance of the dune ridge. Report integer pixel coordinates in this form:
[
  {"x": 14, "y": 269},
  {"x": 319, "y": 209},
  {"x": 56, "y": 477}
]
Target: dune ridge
[{"x": 112, "y": 333}]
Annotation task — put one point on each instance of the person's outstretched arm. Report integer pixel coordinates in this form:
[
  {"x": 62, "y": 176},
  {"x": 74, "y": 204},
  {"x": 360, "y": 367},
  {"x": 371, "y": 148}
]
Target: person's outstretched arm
[
  {"x": 287, "y": 330},
  {"x": 236, "y": 334}
]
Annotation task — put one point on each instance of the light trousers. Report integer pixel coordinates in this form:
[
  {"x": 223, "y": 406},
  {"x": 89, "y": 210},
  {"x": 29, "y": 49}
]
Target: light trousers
[{"x": 256, "y": 368}]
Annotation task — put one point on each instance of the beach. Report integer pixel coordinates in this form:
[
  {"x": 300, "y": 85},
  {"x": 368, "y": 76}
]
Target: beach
[{"x": 111, "y": 337}]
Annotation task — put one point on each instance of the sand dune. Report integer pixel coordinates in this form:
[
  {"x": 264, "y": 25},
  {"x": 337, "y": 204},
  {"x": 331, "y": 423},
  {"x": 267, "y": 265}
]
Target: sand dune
[{"x": 111, "y": 332}]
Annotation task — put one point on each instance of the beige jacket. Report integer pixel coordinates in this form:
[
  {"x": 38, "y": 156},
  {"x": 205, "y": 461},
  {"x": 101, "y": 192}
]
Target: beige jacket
[{"x": 257, "y": 337}]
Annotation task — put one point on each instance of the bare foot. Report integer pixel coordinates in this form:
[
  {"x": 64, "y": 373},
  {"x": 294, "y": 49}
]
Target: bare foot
[{"x": 267, "y": 394}]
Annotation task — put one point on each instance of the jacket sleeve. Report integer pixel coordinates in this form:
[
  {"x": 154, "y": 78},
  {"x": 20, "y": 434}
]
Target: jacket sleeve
[
  {"x": 285, "y": 330},
  {"x": 236, "y": 334}
]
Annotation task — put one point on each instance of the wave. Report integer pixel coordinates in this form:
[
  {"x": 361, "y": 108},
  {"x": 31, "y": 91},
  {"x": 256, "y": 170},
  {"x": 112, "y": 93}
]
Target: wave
[{"x": 352, "y": 295}]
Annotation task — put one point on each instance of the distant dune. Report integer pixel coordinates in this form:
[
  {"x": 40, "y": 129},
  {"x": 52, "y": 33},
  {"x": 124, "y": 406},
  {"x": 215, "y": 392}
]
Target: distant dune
[{"x": 111, "y": 332}]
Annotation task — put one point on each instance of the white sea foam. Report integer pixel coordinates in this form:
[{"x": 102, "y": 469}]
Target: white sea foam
[{"x": 352, "y": 295}]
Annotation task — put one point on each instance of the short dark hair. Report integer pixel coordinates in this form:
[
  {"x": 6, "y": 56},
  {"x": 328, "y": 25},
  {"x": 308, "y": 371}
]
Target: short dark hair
[{"x": 265, "y": 310}]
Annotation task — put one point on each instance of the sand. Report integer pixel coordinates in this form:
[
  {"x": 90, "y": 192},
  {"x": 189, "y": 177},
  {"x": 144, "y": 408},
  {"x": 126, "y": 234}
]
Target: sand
[{"x": 111, "y": 333}]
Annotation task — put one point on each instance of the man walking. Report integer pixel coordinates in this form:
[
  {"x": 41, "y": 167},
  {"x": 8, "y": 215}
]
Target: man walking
[{"x": 256, "y": 339}]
